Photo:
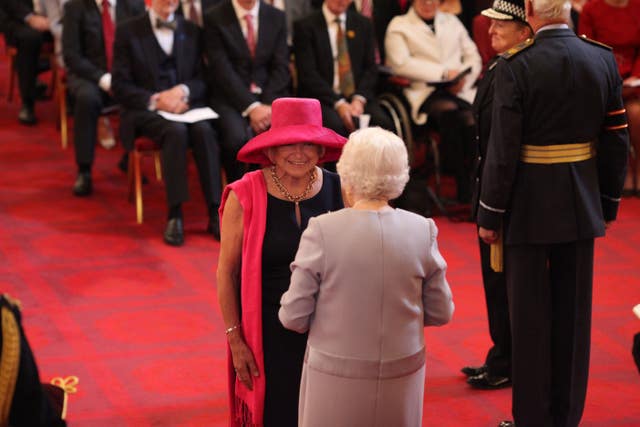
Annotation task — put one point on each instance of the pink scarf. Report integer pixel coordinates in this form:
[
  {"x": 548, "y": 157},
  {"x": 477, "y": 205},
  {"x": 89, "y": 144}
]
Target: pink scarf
[{"x": 247, "y": 406}]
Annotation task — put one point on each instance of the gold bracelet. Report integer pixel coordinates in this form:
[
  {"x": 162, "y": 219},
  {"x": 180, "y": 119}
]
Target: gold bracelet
[{"x": 231, "y": 329}]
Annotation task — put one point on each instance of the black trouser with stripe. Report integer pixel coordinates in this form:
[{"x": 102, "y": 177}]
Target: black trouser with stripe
[{"x": 550, "y": 293}]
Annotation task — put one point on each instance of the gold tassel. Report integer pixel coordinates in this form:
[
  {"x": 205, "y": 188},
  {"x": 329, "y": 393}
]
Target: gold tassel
[{"x": 497, "y": 254}]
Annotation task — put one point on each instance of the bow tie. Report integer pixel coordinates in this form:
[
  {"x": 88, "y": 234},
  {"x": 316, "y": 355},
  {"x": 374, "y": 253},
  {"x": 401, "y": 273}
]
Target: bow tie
[{"x": 169, "y": 25}]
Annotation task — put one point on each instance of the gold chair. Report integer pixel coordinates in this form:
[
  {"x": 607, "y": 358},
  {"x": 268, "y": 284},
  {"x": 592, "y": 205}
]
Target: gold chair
[
  {"x": 143, "y": 147},
  {"x": 47, "y": 52}
]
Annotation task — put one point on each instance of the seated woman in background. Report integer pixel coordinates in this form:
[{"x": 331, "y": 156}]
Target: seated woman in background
[
  {"x": 263, "y": 216},
  {"x": 364, "y": 283},
  {"x": 426, "y": 45},
  {"x": 617, "y": 24}
]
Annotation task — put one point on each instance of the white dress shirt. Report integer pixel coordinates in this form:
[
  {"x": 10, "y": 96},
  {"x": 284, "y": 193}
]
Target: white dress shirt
[{"x": 163, "y": 35}]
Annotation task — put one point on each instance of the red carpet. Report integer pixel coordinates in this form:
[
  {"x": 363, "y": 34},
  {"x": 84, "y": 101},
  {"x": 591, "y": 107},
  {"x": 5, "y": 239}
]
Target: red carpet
[{"x": 138, "y": 322}]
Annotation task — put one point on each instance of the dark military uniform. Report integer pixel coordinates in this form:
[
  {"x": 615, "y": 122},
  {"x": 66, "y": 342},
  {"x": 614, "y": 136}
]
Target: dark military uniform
[
  {"x": 498, "y": 360},
  {"x": 556, "y": 104},
  {"x": 24, "y": 401}
]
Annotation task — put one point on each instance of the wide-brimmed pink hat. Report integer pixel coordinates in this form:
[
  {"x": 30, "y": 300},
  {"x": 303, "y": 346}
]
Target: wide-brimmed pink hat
[{"x": 293, "y": 120}]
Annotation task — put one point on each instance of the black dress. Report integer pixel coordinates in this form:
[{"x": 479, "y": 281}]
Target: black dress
[{"x": 284, "y": 349}]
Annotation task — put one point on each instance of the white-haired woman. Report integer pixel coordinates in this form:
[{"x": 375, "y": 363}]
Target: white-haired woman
[{"x": 365, "y": 281}]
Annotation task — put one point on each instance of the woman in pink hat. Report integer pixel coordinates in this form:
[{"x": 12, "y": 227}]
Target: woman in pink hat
[{"x": 263, "y": 216}]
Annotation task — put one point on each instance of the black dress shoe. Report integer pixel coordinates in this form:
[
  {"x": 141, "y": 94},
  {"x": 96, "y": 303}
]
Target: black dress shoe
[
  {"x": 26, "y": 116},
  {"x": 506, "y": 424},
  {"x": 174, "y": 233},
  {"x": 473, "y": 371},
  {"x": 214, "y": 226},
  {"x": 485, "y": 381},
  {"x": 82, "y": 187}
]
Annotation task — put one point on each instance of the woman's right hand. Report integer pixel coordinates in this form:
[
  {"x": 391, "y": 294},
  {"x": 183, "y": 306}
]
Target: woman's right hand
[{"x": 243, "y": 360}]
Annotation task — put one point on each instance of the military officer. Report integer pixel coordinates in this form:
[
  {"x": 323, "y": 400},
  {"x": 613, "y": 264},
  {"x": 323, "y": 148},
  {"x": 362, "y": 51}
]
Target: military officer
[
  {"x": 552, "y": 180},
  {"x": 508, "y": 29}
]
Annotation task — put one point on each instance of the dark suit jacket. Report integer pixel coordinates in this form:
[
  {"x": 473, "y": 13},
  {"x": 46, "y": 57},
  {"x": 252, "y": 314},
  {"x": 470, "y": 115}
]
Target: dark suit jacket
[
  {"x": 558, "y": 91},
  {"x": 14, "y": 13},
  {"x": 17, "y": 10},
  {"x": 314, "y": 58},
  {"x": 3, "y": 18},
  {"x": 233, "y": 69},
  {"x": 135, "y": 67},
  {"x": 82, "y": 41}
]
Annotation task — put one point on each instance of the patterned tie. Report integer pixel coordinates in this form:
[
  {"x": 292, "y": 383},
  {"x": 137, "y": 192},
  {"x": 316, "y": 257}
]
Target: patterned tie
[
  {"x": 251, "y": 35},
  {"x": 193, "y": 13},
  {"x": 108, "y": 33},
  {"x": 345, "y": 76}
]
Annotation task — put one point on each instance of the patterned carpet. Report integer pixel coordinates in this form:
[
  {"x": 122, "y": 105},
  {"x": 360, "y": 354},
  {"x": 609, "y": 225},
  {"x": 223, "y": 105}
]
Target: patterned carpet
[{"x": 137, "y": 321}]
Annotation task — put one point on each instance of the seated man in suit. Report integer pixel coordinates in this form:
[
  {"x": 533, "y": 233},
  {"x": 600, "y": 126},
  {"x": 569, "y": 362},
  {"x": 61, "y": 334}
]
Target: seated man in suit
[
  {"x": 343, "y": 74},
  {"x": 246, "y": 43},
  {"x": 157, "y": 66},
  {"x": 88, "y": 34},
  {"x": 27, "y": 29},
  {"x": 24, "y": 401}
]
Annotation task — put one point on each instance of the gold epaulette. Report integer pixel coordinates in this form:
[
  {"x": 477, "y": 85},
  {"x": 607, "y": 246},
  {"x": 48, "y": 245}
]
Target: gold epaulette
[
  {"x": 517, "y": 49},
  {"x": 593, "y": 42}
]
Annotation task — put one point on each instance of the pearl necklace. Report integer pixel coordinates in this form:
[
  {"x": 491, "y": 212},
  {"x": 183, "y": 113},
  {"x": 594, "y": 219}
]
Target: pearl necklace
[{"x": 287, "y": 195}]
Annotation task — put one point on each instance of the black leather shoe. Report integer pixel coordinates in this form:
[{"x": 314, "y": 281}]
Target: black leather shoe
[
  {"x": 174, "y": 233},
  {"x": 473, "y": 371},
  {"x": 507, "y": 424},
  {"x": 82, "y": 187},
  {"x": 26, "y": 116},
  {"x": 214, "y": 226},
  {"x": 485, "y": 381}
]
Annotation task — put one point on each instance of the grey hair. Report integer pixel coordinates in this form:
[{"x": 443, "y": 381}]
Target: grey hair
[
  {"x": 552, "y": 9},
  {"x": 374, "y": 164}
]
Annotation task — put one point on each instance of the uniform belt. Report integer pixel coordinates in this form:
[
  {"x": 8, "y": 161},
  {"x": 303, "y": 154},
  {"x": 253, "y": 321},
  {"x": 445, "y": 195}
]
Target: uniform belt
[{"x": 561, "y": 153}]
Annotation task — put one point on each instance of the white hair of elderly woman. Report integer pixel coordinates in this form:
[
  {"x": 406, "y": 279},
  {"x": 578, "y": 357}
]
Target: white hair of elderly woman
[
  {"x": 374, "y": 164},
  {"x": 552, "y": 9}
]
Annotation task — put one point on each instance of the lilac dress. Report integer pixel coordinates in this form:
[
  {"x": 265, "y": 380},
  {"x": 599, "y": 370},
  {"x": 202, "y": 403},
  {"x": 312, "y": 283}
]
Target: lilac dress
[{"x": 364, "y": 284}]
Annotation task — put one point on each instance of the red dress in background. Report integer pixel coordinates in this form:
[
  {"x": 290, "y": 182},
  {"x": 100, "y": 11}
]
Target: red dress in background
[{"x": 618, "y": 27}]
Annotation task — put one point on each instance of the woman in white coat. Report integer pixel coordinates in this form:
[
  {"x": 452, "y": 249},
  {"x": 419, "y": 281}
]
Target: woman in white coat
[
  {"x": 428, "y": 46},
  {"x": 365, "y": 281}
]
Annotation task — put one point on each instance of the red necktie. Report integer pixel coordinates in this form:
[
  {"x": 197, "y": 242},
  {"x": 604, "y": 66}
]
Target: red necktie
[
  {"x": 108, "y": 33},
  {"x": 251, "y": 35},
  {"x": 193, "y": 13}
]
